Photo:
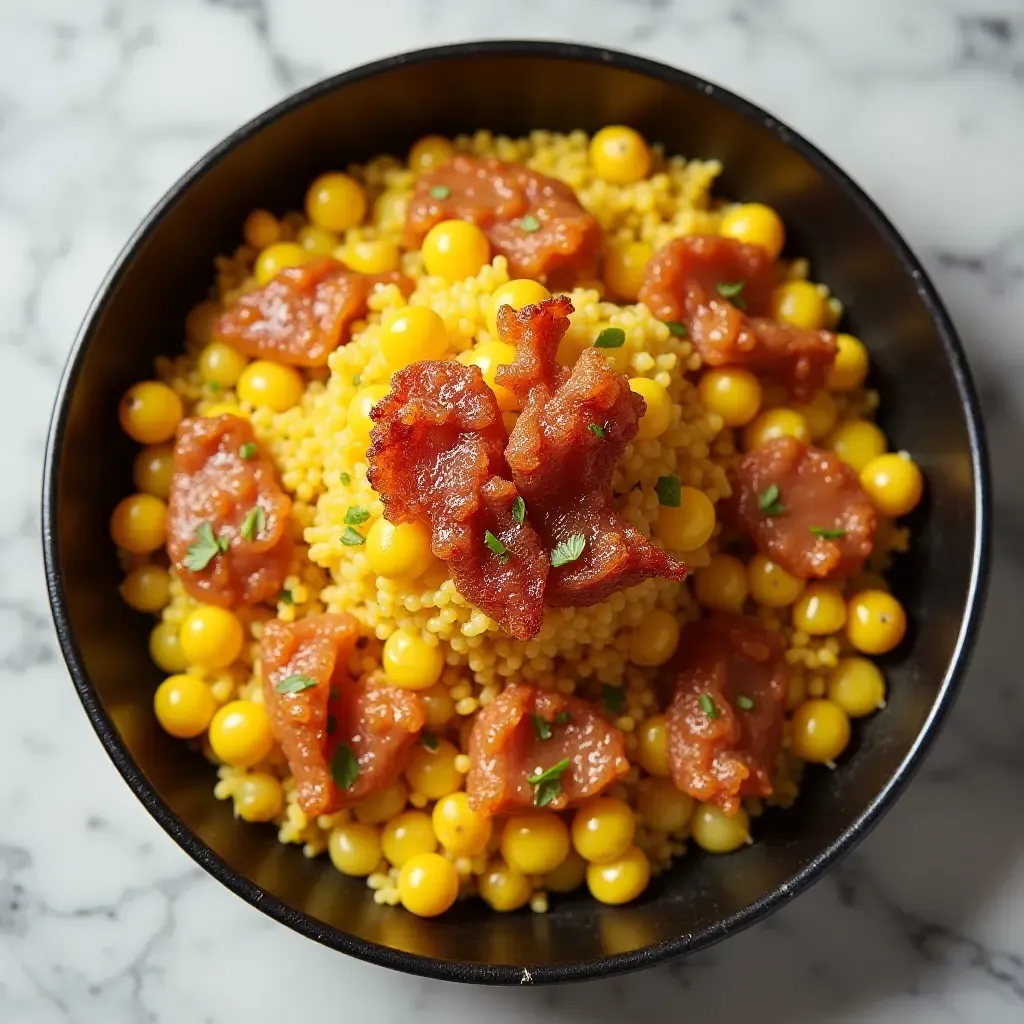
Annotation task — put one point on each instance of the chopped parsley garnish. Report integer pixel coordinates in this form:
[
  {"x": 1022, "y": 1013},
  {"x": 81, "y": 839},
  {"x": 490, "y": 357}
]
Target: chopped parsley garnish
[
  {"x": 563, "y": 718},
  {"x": 223, "y": 543},
  {"x": 429, "y": 740},
  {"x": 214, "y": 386},
  {"x": 733, "y": 291},
  {"x": 530, "y": 224},
  {"x": 286, "y": 597},
  {"x": 541, "y": 728},
  {"x": 614, "y": 698},
  {"x": 344, "y": 767},
  {"x": 352, "y": 538},
  {"x": 744, "y": 702},
  {"x": 357, "y": 380},
  {"x": 826, "y": 533},
  {"x": 356, "y": 515},
  {"x": 707, "y": 705},
  {"x": 254, "y": 522},
  {"x": 676, "y": 329},
  {"x": 610, "y": 337},
  {"x": 345, "y": 478},
  {"x": 203, "y": 550},
  {"x": 440, "y": 192},
  {"x": 294, "y": 684},
  {"x": 768, "y": 503},
  {"x": 569, "y": 550},
  {"x": 596, "y": 429},
  {"x": 669, "y": 492},
  {"x": 519, "y": 510},
  {"x": 548, "y": 784},
  {"x": 332, "y": 725},
  {"x": 496, "y": 546},
  {"x": 247, "y": 450}
]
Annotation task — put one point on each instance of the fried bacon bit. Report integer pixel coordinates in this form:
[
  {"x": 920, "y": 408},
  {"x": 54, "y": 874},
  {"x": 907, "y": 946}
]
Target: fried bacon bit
[
  {"x": 825, "y": 523},
  {"x": 720, "y": 289},
  {"x": 316, "y": 709},
  {"x": 563, "y": 468},
  {"x": 725, "y": 721},
  {"x": 437, "y": 454},
  {"x": 303, "y": 314},
  {"x": 232, "y": 506},
  {"x": 506, "y": 750},
  {"x": 534, "y": 221}
]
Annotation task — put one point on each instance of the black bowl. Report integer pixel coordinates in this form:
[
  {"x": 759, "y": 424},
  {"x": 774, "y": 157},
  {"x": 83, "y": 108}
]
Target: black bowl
[{"x": 929, "y": 408}]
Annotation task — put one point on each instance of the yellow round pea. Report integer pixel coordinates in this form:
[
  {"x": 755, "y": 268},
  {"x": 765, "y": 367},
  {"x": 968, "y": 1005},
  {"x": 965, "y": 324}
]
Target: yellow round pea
[
  {"x": 568, "y": 876},
  {"x": 225, "y": 409},
  {"x": 857, "y": 442},
  {"x": 619, "y": 155},
  {"x": 857, "y": 686},
  {"x": 277, "y": 257},
  {"x": 382, "y": 806},
  {"x": 516, "y": 294},
  {"x": 716, "y": 832},
  {"x": 603, "y": 830},
  {"x": 370, "y": 256},
  {"x": 212, "y": 637},
  {"x": 261, "y": 229},
  {"x": 850, "y": 369},
  {"x": 820, "y": 731},
  {"x": 653, "y": 746},
  {"x": 398, "y": 552},
  {"x": 335, "y": 202},
  {"x": 503, "y": 888},
  {"x": 722, "y": 583},
  {"x": 655, "y": 421},
  {"x": 800, "y": 304},
  {"x": 773, "y": 423},
  {"x": 455, "y": 250},
  {"x": 820, "y": 414},
  {"x": 184, "y": 706},
  {"x": 240, "y": 734},
  {"x": 663, "y": 806},
  {"x": 407, "y": 836},
  {"x": 731, "y": 393},
  {"x": 258, "y": 797},
  {"x": 770, "y": 584},
  {"x": 270, "y": 384},
  {"x": 354, "y": 849},
  {"x": 438, "y": 706},
  {"x": 894, "y": 484},
  {"x": 165, "y": 647},
  {"x": 410, "y": 662},
  {"x": 428, "y": 885},
  {"x": 534, "y": 843},
  {"x": 363, "y": 401},
  {"x": 429, "y": 153},
  {"x": 876, "y": 622},
  {"x": 150, "y": 412},
  {"x": 432, "y": 772},
  {"x": 624, "y": 264},
  {"x": 755, "y": 224},
  {"x": 318, "y": 241},
  {"x": 147, "y": 588},
  {"x": 488, "y": 356},
  {"x": 655, "y": 639},
  {"x": 139, "y": 524},
  {"x": 462, "y": 831},
  {"x": 221, "y": 364},
  {"x": 153, "y": 469},
  {"x": 412, "y": 334},
  {"x": 820, "y": 610},
  {"x": 621, "y": 880},
  {"x": 688, "y": 525}
]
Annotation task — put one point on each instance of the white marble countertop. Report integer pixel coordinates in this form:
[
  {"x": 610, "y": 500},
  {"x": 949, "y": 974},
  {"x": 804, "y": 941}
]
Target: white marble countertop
[{"x": 103, "y": 103}]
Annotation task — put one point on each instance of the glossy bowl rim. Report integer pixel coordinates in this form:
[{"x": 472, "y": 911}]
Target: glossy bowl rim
[{"x": 482, "y": 973}]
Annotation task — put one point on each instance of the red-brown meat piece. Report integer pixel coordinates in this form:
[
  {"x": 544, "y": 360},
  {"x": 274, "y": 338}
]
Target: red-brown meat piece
[
  {"x": 534, "y": 221},
  {"x": 214, "y": 491},
  {"x": 303, "y": 314},
  {"x": 376, "y": 723},
  {"x": 725, "y": 721},
  {"x": 437, "y": 454},
  {"x": 562, "y": 469},
  {"x": 681, "y": 283},
  {"x": 817, "y": 493},
  {"x": 505, "y": 750}
]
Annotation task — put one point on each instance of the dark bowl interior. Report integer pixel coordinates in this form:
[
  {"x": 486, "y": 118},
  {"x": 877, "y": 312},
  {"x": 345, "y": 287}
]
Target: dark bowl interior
[{"x": 928, "y": 406}]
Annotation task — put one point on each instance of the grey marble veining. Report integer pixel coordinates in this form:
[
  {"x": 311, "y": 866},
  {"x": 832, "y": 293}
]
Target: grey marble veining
[{"x": 102, "y": 106}]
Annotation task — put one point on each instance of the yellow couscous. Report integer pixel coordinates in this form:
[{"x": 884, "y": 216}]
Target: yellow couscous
[{"x": 420, "y": 840}]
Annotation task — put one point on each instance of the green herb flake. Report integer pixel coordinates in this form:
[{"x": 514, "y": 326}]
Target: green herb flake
[
  {"x": 254, "y": 523},
  {"x": 332, "y": 725},
  {"x": 430, "y": 741},
  {"x": 548, "y": 783},
  {"x": 440, "y": 192},
  {"x": 826, "y": 533},
  {"x": 294, "y": 684},
  {"x": 356, "y": 515},
  {"x": 733, "y": 291},
  {"x": 496, "y": 546},
  {"x": 352, "y": 538},
  {"x": 344, "y": 767},
  {"x": 213, "y": 386},
  {"x": 614, "y": 698},
  {"x": 744, "y": 702},
  {"x": 676, "y": 329},
  {"x": 286, "y": 597},
  {"x": 669, "y": 491},
  {"x": 610, "y": 337},
  {"x": 569, "y": 550},
  {"x": 203, "y": 550},
  {"x": 223, "y": 543},
  {"x": 563, "y": 718},
  {"x": 345, "y": 478},
  {"x": 768, "y": 503},
  {"x": 596, "y": 429},
  {"x": 248, "y": 450},
  {"x": 541, "y": 728},
  {"x": 707, "y": 705},
  {"x": 519, "y": 510},
  {"x": 530, "y": 224},
  {"x": 357, "y": 380}
]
